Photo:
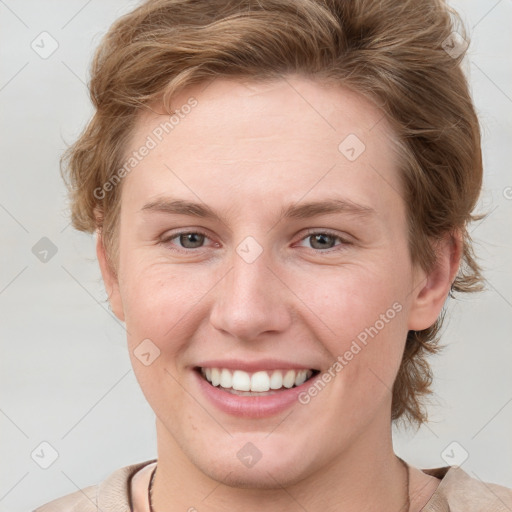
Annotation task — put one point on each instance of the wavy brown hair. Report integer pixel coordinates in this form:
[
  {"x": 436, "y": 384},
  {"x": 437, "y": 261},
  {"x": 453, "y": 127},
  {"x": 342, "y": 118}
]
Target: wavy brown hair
[{"x": 392, "y": 52}]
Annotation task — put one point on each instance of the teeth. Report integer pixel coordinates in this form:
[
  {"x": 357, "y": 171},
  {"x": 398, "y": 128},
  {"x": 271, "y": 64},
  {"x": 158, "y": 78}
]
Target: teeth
[
  {"x": 226, "y": 381},
  {"x": 261, "y": 381},
  {"x": 241, "y": 381},
  {"x": 289, "y": 379},
  {"x": 301, "y": 377},
  {"x": 276, "y": 380},
  {"x": 215, "y": 380}
]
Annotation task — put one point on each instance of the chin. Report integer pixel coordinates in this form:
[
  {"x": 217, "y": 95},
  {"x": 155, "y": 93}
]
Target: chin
[
  {"x": 241, "y": 482},
  {"x": 270, "y": 478},
  {"x": 265, "y": 474}
]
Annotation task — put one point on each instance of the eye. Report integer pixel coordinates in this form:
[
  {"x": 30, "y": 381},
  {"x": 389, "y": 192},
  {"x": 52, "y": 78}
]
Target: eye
[
  {"x": 324, "y": 240},
  {"x": 188, "y": 240}
]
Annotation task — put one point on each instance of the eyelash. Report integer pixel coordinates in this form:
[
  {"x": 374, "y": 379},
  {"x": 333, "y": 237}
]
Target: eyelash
[{"x": 344, "y": 242}]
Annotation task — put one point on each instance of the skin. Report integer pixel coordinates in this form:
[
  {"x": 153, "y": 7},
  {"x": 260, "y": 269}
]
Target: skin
[{"x": 247, "y": 150}]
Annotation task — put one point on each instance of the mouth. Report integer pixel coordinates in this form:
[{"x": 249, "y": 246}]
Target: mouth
[{"x": 260, "y": 383}]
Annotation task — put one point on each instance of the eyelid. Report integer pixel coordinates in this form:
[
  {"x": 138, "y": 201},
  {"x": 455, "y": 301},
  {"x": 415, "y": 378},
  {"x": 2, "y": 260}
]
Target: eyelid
[
  {"x": 326, "y": 231},
  {"x": 166, "y": 239},
  {"x": 344, "y": 239}
]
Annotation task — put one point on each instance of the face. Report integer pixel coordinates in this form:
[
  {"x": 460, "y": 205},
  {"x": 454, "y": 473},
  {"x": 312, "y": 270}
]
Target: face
[{"x": 294, "y": 256}]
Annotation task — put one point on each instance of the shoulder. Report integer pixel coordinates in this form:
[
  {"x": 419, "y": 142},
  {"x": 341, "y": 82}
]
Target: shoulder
[
  {"x": 110, "y": 495},
  {"x": 84, "y": 500},
  {"x": 460, "y": 492}
]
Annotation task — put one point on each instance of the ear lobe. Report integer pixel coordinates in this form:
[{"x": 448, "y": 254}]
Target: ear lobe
[
  {"x": 110, "y": 278},
  {"x": 431, "y": 292}
]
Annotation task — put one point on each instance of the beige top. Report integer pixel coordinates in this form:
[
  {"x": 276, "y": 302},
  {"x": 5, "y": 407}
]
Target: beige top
[{"x": 457, "y": 492}]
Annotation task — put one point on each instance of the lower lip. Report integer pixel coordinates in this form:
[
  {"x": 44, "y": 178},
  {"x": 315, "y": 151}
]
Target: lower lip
[{"x": 252, "y": 406}]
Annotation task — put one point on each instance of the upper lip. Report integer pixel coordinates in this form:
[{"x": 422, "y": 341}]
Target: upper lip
[{"x": 254, "y": 366}]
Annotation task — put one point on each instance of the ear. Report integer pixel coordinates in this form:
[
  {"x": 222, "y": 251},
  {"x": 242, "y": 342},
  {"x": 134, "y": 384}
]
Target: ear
[
  {"x": 433, "y": 287},
  {"x": 110, "y": 278}
]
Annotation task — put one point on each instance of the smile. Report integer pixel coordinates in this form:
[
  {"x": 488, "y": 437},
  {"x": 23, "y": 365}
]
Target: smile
[
  {"x": 256, "y": 383},
  {"x": 253, "y": 389}
]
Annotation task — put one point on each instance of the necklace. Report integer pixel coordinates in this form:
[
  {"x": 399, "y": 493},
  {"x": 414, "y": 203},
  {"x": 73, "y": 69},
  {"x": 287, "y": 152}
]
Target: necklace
[
  {"x": 408, "y": 500},
  {"x": 150, "y": 490},
  {"x": 407, "y": 505}
]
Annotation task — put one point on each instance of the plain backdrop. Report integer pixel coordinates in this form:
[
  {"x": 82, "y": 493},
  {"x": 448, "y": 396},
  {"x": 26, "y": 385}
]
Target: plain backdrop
[{"x": 66, "y": 378}]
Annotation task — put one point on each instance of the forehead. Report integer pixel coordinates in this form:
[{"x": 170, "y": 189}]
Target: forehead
[{"x": 283, "y": 137}]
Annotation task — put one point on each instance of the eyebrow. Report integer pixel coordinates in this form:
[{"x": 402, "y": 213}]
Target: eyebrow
[{"x": 295, "y": 210}]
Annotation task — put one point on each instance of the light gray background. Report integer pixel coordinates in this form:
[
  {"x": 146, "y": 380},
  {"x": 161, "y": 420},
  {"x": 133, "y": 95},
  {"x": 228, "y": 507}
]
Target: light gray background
[{"x": 65, "y": 373}]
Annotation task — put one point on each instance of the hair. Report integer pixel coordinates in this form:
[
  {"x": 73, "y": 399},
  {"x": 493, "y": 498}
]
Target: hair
[{"x": 392, "y": 52}]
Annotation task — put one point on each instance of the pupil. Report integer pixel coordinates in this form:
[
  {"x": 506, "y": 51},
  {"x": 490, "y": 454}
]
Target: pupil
[
  {"x": 195, "y": 239},
  {"x": 322, "y": 237}
]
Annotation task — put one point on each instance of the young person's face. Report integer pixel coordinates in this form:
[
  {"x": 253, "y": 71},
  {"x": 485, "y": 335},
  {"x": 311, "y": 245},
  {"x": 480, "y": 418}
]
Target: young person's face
[{"x": 265, "y": 291}]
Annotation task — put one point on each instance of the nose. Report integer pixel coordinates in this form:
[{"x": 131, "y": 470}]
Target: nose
[{"x": 251, "y": 300}]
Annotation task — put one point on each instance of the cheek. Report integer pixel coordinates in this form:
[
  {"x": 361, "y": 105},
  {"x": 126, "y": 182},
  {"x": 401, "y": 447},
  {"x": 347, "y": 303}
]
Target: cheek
[
  {"x": 361, "y": 315},
  {"x": 156, "y": 296},
  {"x": 350, "y": 299},
  {"x": 159, "y": 304}
]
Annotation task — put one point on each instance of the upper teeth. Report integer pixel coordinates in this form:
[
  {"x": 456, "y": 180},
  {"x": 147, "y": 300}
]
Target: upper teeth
[{"x": 258, "y": 381}]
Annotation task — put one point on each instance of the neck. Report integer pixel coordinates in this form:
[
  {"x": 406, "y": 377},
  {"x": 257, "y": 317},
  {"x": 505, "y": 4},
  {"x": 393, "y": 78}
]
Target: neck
[{"x": 368, "y": 476}]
